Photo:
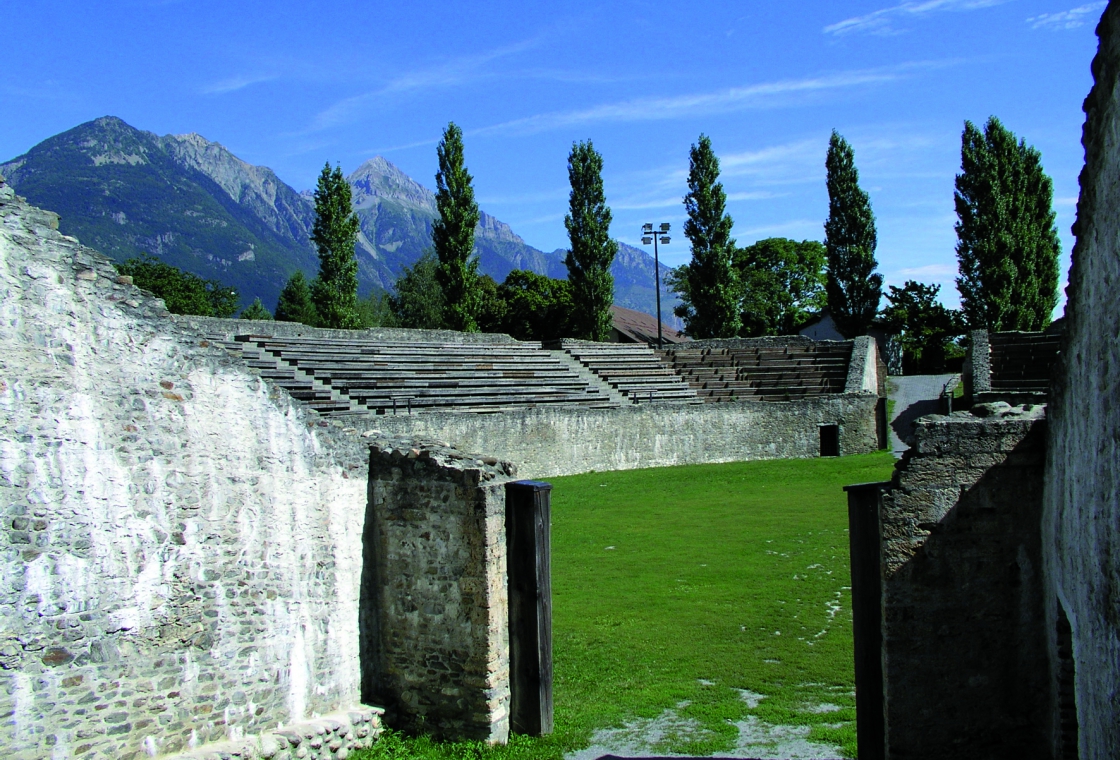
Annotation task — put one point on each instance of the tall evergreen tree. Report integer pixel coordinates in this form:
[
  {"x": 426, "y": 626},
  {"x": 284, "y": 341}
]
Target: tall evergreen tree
[
  {"x": 335, "y": 232},
  {"x": 453, "y": 234},
  {"x": 589, "y": 261},
  {"x": 256, "y": 310},
  {"x": 853, "y": 286},
  {"x": 707, "y": 285},
  {"x": 294, "y": 303},
  {"x": 1007, "y": 244}
]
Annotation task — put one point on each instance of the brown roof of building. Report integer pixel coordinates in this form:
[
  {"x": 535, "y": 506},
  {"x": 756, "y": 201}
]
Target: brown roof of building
[{"x": 639, "y": 327}]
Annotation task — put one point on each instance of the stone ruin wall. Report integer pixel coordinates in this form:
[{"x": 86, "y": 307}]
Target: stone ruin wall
[
  {"x": 550, "y": 442},
  {"x": 1081, "y": 513},
  {"x": 435, "y": 609},
  {"x": 1000, "y": 540},
  {"x": 180, "y": 548},
  {"x": 964, "y": 656}
]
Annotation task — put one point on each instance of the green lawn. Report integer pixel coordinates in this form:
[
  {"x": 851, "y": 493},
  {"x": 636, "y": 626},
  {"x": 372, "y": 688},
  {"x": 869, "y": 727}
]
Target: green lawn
[{"x": 697, "y": 589}]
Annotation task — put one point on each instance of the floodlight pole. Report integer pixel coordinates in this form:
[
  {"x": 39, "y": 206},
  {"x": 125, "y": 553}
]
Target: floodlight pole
[{"x": 647, "y": 233}]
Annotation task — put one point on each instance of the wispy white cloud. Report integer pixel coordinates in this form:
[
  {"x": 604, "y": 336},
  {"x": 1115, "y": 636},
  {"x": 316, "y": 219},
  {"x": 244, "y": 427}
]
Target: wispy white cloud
[
  {"x": 1070, "y": 19},
  {"x": 455, "y": 71},
  {"x": 927, "y": 272},
  {"x": 766, "y": 94},
  {"x": 885, "y": 20},
  {"x": 402, "y": 146},
  {"x": 233, "y": 84}
]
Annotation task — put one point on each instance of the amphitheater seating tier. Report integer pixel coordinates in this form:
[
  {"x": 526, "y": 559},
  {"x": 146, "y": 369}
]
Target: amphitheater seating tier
[
  {"x": 633, "y": 369},
  {"x": 764, "y": 372},
  {"x": 337, "y": 376},
  {"x": 1021, "y": 362}
]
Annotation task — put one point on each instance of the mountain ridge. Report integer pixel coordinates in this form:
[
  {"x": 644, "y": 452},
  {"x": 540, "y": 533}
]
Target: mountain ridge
[{"x": 192, "y": 202}]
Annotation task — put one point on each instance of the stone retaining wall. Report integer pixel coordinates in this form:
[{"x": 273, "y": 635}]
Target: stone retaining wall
[
  {"x": 1081, "y": 518},
  {"x": 964, "y": 657},
  {"x": 331, "y": 737},
  {"x": 180, "y": 545},
  {"x": 546, "y": 442}
]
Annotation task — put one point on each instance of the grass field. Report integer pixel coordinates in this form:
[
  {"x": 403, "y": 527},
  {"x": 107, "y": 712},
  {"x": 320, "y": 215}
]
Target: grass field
[{"x": 695, "y": 600}]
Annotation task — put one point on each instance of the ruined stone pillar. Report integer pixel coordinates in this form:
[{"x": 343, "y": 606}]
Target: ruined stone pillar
[{"x": 434, "y": 610}]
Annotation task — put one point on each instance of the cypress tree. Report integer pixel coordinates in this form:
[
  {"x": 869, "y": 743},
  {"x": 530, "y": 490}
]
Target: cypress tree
[
  {"x": 708, "y": 285},
  {"x": 453, "y": 234},
  {"x": 1007, "y": 244},
  {"x": 335, "y": 232},
  {"x": 589, "y": 260},
  {"x": 853, "y": 286},
  {"x": 294, "y": 303}
]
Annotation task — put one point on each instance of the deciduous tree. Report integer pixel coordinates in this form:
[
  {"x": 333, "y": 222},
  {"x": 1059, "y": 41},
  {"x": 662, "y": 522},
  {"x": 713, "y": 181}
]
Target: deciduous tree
[
  {"x": 453, "y": 234},
  {"x": 335, "y": 231},
  {"x": 418, "y": 302},
  {"x": 375, "y": 311},
  {"x": 537, "y": 307},
  {"x": 925, "y": 327},
  {"x": 589, "y": 261},
  {"x": 783, "y": 285},
  {"x": 853, "y": 286},
  {"x": 182, "y": 292},
  {"x": 707, "y": 285},
  {"x": 1007, "y": 244}
]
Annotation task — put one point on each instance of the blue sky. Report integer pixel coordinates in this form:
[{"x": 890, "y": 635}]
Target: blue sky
[{"x": 291, "y": 85}]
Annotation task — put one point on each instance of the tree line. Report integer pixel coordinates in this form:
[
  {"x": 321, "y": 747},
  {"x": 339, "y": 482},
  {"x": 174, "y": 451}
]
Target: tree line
[
  {"x": 444, "y": 289},
  {"x": 1007, "y": 253}
]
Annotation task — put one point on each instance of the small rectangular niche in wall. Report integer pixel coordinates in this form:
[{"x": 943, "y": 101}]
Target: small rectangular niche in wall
[{"x": 830, "y": 440}]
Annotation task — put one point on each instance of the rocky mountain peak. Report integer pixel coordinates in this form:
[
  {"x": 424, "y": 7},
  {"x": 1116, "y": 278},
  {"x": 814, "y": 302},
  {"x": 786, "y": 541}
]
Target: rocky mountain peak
[
  {"x": 378, "y": 179},
  {"x": 243, "y": 182},
  {"x": 109, "y": 140}
]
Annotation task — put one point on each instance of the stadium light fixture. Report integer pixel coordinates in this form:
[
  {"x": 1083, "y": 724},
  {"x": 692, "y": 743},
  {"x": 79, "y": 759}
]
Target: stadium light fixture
[{"x": 661, "y": 236}]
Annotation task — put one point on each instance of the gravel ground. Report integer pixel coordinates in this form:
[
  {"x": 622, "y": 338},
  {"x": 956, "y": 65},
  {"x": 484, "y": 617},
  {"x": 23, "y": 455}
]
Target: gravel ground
[{"x": 757, "y": 740}]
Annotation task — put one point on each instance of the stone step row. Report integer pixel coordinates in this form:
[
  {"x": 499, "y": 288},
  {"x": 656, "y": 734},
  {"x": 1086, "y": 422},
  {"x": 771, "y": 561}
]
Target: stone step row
[
  {"x": 345, "y": 382},
  {"x": 762, "y": 373},
  {"x": 634, "y": 370}
]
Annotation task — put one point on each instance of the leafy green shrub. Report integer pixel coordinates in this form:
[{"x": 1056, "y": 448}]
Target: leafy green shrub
[{"x": 182, "y": 292}]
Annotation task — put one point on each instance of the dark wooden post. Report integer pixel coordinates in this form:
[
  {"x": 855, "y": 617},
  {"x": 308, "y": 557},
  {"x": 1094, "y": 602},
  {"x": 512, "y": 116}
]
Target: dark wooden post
[
  {"x": 528, "y": 536},
  {"x": 867, "y": 632},
  {"x": 881, "y": 423}
]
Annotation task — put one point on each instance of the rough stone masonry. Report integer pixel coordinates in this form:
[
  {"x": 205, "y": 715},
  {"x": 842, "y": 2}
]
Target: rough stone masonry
[
  {"x": 1081, "y": 512},
  {"x": 435, "y": 608},
  {"x": 964, "y": 656},
  {"x": 180, "y": 547}
]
